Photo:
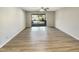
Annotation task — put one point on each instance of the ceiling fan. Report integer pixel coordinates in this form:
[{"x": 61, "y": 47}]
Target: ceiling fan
[{"x": 44, "y": 9}]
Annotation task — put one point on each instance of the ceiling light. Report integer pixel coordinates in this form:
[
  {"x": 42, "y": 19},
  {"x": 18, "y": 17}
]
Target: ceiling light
[{"x": 42, "y": 10}]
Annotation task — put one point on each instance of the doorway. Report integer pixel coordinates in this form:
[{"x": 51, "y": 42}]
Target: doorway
[{"x": 38, "y": 20}]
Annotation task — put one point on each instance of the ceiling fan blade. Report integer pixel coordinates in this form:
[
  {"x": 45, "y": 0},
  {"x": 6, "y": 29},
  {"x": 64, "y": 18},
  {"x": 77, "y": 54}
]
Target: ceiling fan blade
[
  {"x": 45, "y": 8},
  {"x": 42, "y": 7}
]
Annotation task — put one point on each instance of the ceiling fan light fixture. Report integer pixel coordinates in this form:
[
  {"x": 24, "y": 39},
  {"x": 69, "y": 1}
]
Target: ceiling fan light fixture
[{"x": 42, "y": 10}]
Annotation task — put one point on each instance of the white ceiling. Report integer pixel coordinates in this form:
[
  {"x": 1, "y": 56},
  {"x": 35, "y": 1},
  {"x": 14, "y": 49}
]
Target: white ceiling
[{"x": 38, "y": 8}]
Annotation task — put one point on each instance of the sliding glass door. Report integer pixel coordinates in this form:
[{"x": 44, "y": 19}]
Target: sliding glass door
[{"x": 39, "y": 20}]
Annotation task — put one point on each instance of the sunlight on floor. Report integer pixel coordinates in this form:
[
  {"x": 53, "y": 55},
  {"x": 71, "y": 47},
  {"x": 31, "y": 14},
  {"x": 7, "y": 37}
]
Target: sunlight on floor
[{"x": 38, "y": 28}]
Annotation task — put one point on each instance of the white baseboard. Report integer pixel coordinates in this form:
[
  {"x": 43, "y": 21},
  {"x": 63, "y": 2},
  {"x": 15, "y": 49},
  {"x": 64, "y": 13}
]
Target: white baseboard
[
  {"x": 69, "y": 34},
  {"x": 10, "y": 38}
]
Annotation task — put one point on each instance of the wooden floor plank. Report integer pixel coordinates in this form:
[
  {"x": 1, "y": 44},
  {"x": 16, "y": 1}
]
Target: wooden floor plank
[{"x": 41, "y": 39}]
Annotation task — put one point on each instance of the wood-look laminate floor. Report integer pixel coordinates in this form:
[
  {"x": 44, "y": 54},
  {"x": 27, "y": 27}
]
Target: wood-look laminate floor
[{"x": 41, "y": 39}]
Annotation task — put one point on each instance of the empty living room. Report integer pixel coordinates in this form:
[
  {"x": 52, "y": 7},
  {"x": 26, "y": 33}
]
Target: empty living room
[{"x": 40, "y": 29}]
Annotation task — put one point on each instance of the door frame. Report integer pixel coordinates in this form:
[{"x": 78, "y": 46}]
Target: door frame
[{"x": 38, "y": 14}]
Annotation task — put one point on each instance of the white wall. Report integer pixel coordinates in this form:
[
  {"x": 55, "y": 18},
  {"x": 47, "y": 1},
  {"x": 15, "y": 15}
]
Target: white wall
[
  {"x": 28, "y": 20},
  {"x": 67, "y": 20},
  {"x": 50, "y": 16},
  {"x": 12, "y": 21}
]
